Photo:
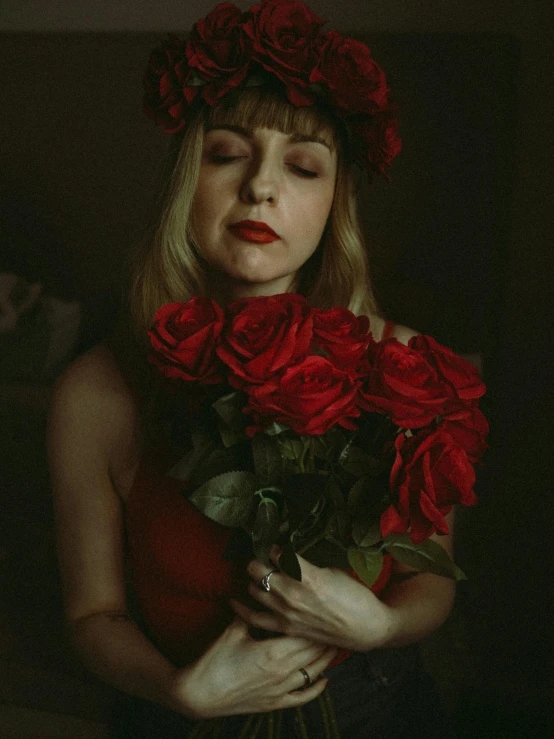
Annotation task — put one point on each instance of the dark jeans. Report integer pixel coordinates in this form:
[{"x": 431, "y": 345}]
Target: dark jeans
[{"x": 381, "y": 695}]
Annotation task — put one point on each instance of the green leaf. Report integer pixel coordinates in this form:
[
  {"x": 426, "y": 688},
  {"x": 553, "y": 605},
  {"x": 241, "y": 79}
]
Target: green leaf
[
  {"x": 428, "y": 556},
  {"x": 267, "y": 460},
  {"x": 203, "y": 446},
  {"x": 288, "y": 562},
  {"x": 195, "y": 80},
  {"x": 358, "y": 463},
  {"x": 265, "y": 530},
  {"x": 339, "y": 522},
  {"x": 336, "y": 440},
  {"x": 367, "y": 564},
  {"x": 229, "y": 407},
  {"x": 232, "y": 421},
  {"x": 291, "y": 448},
  {"x": 227, "y": 498},
  {"x": 207, "y": 460},
  {"x": 320, "y": 447},
  {"x": 365, "y": 533},
  {"x": 368, "y": 498},
  {"x": 228, "y": 436},
  {"x": 274, "y": 429}
]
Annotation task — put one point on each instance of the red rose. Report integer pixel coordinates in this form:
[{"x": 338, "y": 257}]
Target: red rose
[
  {"x": 309, "y": 397},
  {"x": 166, "y": 96},
  {"x": 342, "y": 335},
  {"x": 469, "y": 429},
  {"x": 356, "y": 81},
  {"x": 430, "y": 474},
  {"x": 219, "y": 50},
  {"x": 375, "y": 141},
  {"x": 184, "y": 338},
  {"x": 402, "y": 384},
  {"x": 264, "y": 335},
  {"x": 462, "y": 376},
  {"x": 283, "y": 32}
]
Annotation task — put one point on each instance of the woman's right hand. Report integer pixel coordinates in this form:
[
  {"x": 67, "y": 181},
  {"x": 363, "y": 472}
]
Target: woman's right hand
[{"x": 239, "y": 675}]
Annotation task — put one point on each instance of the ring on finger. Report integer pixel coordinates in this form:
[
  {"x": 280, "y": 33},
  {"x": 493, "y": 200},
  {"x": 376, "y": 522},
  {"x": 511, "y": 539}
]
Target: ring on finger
[
  {"x": 264, "y": 582},
  {"x": 307, "y": 681}
]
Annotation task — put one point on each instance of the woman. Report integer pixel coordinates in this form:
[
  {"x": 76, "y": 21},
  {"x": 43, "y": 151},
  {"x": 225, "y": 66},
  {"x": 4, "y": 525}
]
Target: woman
[{"x": 260, "y": 201}]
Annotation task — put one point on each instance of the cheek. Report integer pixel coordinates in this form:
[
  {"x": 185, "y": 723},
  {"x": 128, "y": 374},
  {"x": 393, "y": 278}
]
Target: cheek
[
  {"x": 314, "y": 215},
  {"x": 204, "y": 212}
]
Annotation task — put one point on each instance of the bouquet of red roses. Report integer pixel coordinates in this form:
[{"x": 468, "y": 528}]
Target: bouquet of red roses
[{"x": 307, "y": 433}]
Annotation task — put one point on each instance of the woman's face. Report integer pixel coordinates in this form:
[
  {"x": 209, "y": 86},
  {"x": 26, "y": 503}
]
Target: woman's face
[{"x": 283, "y": 185}]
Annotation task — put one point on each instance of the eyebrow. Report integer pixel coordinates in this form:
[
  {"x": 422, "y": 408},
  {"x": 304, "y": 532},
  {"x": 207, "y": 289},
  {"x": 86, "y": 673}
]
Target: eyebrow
[{"x": 294, "y": 138}]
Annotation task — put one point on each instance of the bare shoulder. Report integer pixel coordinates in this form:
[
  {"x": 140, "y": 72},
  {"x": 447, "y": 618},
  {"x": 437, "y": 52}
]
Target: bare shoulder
[
  {"x": 93, "y": 387},
  {"x": 93, "y": 412},
  {"x": 400, "y": 332},
  {"x": 403, "y": 333}
]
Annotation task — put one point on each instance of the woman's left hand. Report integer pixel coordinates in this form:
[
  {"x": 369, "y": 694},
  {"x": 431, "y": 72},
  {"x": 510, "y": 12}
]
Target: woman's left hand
[{"x": 328, "y": 606}]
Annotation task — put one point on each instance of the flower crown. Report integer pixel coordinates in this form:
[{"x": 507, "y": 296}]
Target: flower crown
[{"x": 275, "y": 40}]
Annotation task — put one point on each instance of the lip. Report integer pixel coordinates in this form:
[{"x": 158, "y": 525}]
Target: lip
[{"x": 254, "y": 227}]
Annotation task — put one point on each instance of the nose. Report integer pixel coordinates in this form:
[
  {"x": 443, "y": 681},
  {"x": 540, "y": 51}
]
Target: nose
[{"x": 260, "y": 183}]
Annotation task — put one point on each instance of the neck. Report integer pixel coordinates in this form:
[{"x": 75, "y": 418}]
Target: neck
[{"x": 225, "y": 291}]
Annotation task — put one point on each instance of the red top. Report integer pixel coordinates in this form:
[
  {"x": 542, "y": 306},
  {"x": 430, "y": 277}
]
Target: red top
[
  {"x": 178, "y": 573},
  {"x": 182, "y": 582}
]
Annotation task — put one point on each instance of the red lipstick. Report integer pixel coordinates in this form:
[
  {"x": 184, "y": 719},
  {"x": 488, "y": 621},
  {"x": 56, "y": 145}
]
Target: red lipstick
[{"x": 256, "y": 231}]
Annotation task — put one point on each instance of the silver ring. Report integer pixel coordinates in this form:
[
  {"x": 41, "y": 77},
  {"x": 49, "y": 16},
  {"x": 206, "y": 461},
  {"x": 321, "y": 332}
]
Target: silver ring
[
  {"x": 264, "y": 582},
  {"x": 307, "y": 681}
]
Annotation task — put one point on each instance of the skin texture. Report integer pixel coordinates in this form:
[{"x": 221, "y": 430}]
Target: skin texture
[
  {"x": 264, "y": 176},
  {"x": 95, "y": 443}
]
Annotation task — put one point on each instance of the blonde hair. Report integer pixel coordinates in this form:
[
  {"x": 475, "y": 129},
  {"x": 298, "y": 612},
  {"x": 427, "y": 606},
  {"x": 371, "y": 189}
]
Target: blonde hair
[{"x": 170, "y": 267}]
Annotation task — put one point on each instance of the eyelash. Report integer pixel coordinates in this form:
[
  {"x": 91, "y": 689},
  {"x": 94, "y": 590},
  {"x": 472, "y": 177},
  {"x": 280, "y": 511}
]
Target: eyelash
[{"x": 219, "y": 159}]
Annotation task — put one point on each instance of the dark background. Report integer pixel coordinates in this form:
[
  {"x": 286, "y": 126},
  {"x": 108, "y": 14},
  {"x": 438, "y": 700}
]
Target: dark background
[{"x": 461, "y": 244}]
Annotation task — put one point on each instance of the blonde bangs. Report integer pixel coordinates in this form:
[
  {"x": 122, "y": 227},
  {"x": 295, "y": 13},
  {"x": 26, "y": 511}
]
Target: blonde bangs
[{"x": 258, "y": 107}]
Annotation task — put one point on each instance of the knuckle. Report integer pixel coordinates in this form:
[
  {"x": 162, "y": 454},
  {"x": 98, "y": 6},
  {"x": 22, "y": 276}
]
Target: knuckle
[
  {"x": 272, "y": 657},
  {"x": 281, "y": 674},
  {"x": 276, "y": 673}
]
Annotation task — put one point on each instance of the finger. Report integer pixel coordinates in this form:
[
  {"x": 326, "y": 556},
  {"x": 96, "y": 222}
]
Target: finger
[
  {"x": 314, "y": 670},
  {"x": 259, "y": 619},
  {"x": 314, "y": 654},
  {"x": 237, "y": 629},
  {"x": 257, "y": 570},
  {"x": 275, "y": 554},
  {"x": 321, "y": 663},
  {"x": 264, "y": 597},
  {"x": 301, "y": 697}
]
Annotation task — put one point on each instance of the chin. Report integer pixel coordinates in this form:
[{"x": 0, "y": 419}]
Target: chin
[{"x": 255, "y": 268}]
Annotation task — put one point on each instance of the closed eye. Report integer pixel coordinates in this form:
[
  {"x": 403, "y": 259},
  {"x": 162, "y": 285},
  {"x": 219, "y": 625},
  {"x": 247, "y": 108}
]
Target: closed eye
[
  {"x": 220, "y": 159},
  {"x": 304, "y": 172}
]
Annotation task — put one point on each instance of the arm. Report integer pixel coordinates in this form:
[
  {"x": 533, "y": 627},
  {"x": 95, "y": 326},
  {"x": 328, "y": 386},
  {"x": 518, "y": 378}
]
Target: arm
[
  {"x": 92, "y": 419},
  {"x": 89, "y": 417}
]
